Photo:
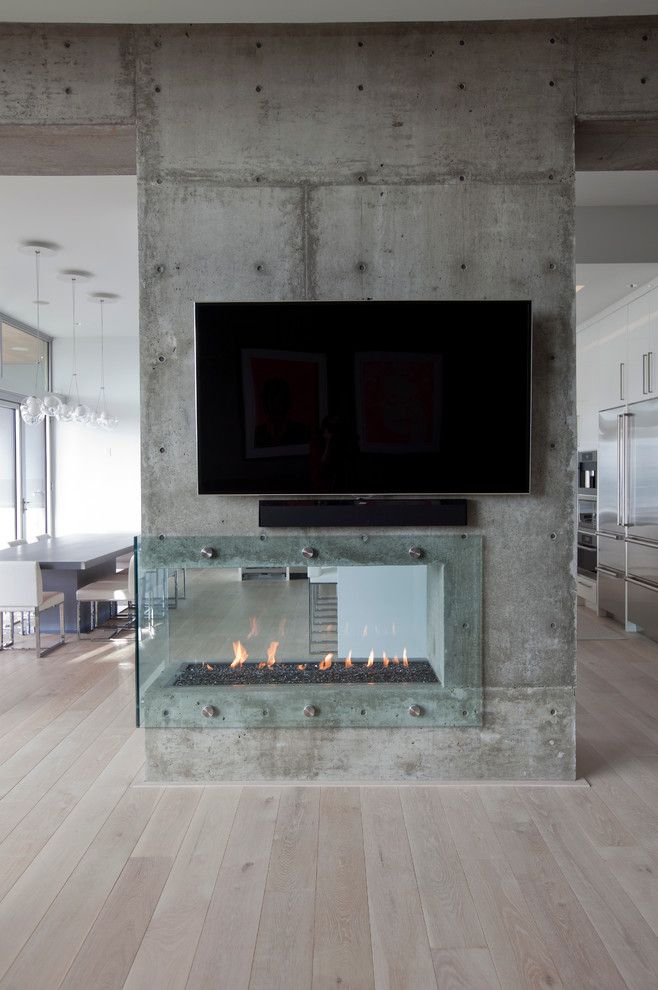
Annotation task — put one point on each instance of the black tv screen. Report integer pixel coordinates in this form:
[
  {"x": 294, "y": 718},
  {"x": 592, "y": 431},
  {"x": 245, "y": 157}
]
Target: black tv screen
[{"x": 363, "y": 398}]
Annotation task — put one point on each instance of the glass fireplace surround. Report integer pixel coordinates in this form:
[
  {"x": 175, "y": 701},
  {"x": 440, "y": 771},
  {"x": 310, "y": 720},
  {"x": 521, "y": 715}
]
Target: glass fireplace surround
[{"x": 290, "y": 631}]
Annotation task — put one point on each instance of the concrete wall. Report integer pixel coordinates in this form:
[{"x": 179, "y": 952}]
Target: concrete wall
[{"x": 385, "y": 161}]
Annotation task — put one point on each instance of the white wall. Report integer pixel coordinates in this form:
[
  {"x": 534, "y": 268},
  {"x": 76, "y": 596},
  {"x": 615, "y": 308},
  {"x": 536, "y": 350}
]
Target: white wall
[
  {"x": 96, "y": 472},
  {"x": 390, "y": 602}
]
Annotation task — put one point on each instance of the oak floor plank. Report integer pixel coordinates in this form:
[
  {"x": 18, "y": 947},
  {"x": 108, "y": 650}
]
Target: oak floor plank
[
  {"x": 110, "y": 947},
  {"x": 450, "y": 915},
  {"x": 30, "y": 897},
  {"x": 15, "y": 732},
  {"x": 400, "y": 946},
  {"x": 30, "y": 835},
  {"x": 284, "y": 947},
  {"x": 237, "y": 899},
  {"x": 519, "y": 952},
  {"x": 625, "y": 933},
  {"x": 342, "y": 953},
  {"x": 465, "y": 969},
  {"x": 47, "y": 954},
  {"x": 166, "y": 953},
  {"x": 579, "y": 954},
  {"x": 31, "y": 786}
]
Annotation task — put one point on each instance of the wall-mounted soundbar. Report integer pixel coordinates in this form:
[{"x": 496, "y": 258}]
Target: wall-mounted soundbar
[{"x": 363, "y": 512}]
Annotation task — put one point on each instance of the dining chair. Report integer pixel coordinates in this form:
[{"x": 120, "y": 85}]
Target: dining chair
[
  {"x": 44, "y": 536},
  {"x": 119, "y": 589},
  {"x": 21, "y": 590},
  {"x": 17, "y": 543}
]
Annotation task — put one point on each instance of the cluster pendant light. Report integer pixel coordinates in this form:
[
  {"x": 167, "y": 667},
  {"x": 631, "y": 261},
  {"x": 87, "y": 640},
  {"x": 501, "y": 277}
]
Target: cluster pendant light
[{"x": 35, "y": 409}]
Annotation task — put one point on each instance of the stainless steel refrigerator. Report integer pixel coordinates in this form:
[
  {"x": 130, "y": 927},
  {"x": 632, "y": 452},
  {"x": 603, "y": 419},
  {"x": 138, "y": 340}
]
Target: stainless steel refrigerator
[{"x": 628, "y": 515}]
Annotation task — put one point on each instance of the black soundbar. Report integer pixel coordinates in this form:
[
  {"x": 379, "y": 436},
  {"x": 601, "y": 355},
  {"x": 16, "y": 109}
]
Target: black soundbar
[{"x": 363, "y": 512}]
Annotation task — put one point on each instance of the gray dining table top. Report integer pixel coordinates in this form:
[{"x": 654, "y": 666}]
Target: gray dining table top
[{"x": 72, "y": 553}]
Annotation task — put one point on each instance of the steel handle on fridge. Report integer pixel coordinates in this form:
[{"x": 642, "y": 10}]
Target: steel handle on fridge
[
  {"x": 621, "y": 380},
  {"x": 607, "y": 571},
  {"x": 626, "y": 482},
  {"x": 642, "y": 584},
  {"x": 645, "y": 362},
  {"x": 619, "y": 469}
]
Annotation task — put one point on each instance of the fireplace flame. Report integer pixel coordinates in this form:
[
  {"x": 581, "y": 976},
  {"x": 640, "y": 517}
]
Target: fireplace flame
[
  {"x": 385, "y": 659},
  {"x": 253, "y": 627},
  {"x": 405, "y": 659},
  {"x": 326, "y": 663},
  {"x": 240, "y": 654},
  {"x": 348, "y": 659},
  {"x": 396, "y": 661},
  {"x": 208, "y": 666},
  {"x": 301, "y": 666},
  {"x": 261, "y": 665},
  {"x": 371, "y": 659},
  {"x": 271, "y": 653}
]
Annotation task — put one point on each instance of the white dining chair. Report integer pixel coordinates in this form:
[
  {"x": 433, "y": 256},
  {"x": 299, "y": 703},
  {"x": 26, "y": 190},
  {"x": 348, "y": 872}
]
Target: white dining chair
[
  {"x": 119, "y": 589},
  {"x": 44, "y": 536},
  {"x": 17, "y": 543},
  {"x": 21, "y": 590}
]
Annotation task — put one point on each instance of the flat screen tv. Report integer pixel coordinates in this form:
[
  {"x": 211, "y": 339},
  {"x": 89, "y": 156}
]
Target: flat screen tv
[{"x": 363, "y": 398}]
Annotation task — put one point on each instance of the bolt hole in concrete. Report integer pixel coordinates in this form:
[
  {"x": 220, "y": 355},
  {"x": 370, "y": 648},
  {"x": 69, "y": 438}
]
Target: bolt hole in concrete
[
  {"x": 162, "y": 450},
  {"x": 554, "y": 536},
  {"x": 553, "y": 711}
]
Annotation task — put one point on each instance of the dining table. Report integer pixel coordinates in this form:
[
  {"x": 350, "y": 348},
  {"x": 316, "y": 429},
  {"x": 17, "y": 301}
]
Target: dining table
[{"x": 71, "y": 562}]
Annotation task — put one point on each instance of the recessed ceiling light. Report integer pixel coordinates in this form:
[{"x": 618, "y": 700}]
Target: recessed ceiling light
[
  {"x": 633, "y": 285},
  {"x": 41, "y": 302},
  {"x": 579, "y": 287}
]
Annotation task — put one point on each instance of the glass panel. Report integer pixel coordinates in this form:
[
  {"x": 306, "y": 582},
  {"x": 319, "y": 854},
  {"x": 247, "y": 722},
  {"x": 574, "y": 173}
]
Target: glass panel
[
  {"x": 24, "y": 367},
  {"x": 259, "y": 637},
  {"x": 7, "y": 475},
  {"x": 34, "y": 480}
]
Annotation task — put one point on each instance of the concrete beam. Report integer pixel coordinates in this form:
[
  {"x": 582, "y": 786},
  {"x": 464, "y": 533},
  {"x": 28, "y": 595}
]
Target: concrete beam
[
  {"x": 68, "y": 149},
  {"x": 616, "y": 145}
]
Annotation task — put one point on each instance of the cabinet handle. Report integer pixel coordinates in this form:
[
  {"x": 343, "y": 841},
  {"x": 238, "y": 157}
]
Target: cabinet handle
[
  {"x": 621, "y": 380},
  {"x": 650, "y": 372},
  {"x": 644, "y": 373}
]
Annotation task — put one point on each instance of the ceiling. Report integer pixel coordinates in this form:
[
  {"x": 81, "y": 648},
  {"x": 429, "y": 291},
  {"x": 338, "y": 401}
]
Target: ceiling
[
  {"x": 310, "y": 11},
  {"x": 93, "y": 219},
  {"x": 603, "y": 285},
  {"x": 617, "y": 188}
]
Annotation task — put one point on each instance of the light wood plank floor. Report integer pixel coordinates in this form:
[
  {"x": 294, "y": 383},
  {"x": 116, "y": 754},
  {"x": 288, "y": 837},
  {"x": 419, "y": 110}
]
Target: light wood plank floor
[{"x": 106, "y": 883}]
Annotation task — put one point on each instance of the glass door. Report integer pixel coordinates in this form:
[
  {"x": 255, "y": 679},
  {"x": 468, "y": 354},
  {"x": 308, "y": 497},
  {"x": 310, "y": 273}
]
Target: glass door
[
  {"x": 8, "y": 474},
  {"x": 33, "y": 478}
]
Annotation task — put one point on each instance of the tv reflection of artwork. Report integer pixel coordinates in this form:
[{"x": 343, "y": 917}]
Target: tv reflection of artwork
[
  {"x": 284, "y": 395},
  {"x": 363, "y": 398},
  {"x": 399, "y": 402}
]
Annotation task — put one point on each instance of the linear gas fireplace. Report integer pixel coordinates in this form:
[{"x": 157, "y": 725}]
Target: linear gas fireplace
[{"x": 282, "y": 632}]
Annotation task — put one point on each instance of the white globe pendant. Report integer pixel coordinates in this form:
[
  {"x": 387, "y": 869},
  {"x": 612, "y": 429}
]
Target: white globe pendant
[
  {"x": 64, "y": 413},
  {"x": 81, "y": 414},
  {"x": 32, "y": 411},
  {"x": 51, "y": 404}
]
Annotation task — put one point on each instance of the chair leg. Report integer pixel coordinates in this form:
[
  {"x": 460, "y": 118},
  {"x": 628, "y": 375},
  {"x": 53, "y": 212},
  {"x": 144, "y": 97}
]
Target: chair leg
[
  {"x": 62, "y": 637},
  {"x": 37, "y": 631}
]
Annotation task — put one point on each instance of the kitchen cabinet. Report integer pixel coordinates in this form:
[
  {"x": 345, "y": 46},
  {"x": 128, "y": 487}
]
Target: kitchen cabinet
[
  {"x": 642, "y": 317},
  {"x": 587, "y": 399},
  {"x": 613, "y": 359}
]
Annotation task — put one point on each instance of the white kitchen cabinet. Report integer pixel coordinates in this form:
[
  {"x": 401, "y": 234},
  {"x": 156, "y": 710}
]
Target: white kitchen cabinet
[
  {"x": 587, "y": 393},
  {"x": 613, "y": 359},
  {"x": 642, "y": 317}
]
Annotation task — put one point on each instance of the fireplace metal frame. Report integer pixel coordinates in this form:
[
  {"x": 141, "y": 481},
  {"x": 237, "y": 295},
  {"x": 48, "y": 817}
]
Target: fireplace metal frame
[{"x": 454, "y": 563}]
